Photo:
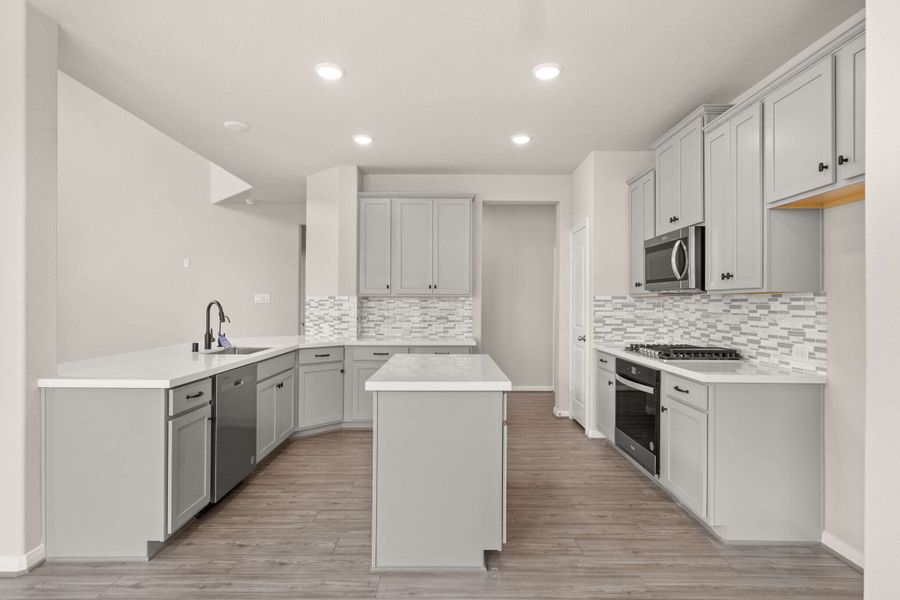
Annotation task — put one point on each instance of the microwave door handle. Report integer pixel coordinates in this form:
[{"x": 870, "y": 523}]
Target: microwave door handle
[
  {"x": 679, "y": 275},
  {"x": 635, "y": 385}
]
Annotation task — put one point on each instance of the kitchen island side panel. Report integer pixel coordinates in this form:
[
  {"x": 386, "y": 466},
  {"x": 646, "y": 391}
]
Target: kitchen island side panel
[
  {"x": 104, "y": 472},
  {"x": 438, "y": 479}
]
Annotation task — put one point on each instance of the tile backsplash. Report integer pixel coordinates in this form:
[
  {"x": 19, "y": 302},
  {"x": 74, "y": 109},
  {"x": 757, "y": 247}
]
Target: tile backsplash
[
  {"x": 788, "y": 330},
  {"x": 331, "y": 317},
  {"x": 350, "y": 317},
  {"x": 437, "y": 317}
]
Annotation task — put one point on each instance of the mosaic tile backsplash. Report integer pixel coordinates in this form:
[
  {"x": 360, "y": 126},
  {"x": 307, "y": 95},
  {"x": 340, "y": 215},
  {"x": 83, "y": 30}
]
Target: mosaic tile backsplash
[
  {"x": 331, "y": 317},
  {"x": 789, "y": 330},
  {"x": 435, "y": 318}
]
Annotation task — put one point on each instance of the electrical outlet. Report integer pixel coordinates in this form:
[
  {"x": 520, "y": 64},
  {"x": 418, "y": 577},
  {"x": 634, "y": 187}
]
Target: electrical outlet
[
  {"x": 800, "y": 352},
  {"x": 187, "y": 263},
  {"x": 262, "y": 299}
]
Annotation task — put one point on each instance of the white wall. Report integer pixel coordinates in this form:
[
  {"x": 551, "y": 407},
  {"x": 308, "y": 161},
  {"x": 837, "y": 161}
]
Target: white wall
[
  {"x": 845, "y": 393},
  {"x": 882, "y": 292},
  {"x": 134, "y": 203},
  {"x": 28, "y": 59},
  {"x": 554, "y": 189},
  {"x": 331, "y": 222},
  {"x": 518, "y": 268},
  {"x": 599, "y": 193}
]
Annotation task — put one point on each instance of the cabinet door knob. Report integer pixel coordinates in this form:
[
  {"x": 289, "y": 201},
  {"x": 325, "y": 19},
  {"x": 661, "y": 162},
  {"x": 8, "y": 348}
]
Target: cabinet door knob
[
  {"x": 388, "y": 286},
  {"x": 822, "y": 167},
  {"x": 609, "y": 382},
  {"x": 674, "y": 219},
  {"x": 581, "y": 338},
  {"x": 842, "y": 159},
  {"x": 638, "y": 284},
  {"x": 664, "y": 408}
]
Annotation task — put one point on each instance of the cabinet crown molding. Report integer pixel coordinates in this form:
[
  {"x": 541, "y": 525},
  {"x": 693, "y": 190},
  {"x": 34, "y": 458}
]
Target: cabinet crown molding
[
  {"x": 710, "y": 111},
  {"x": 643, "y": 173},
  {"x": 432, "y": 195}
]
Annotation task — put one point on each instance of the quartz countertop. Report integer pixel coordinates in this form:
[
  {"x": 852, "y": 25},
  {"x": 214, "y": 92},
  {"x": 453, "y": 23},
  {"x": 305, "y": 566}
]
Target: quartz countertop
[
  {"x": 171, "y": 366},
  {"x": 719, "y": 371},
  {"x": 439, "y": 373}
]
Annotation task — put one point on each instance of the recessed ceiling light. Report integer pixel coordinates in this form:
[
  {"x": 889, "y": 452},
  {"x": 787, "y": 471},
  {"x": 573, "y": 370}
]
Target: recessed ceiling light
[
  {"x": 236, "y": 125},
  {"x": 362, "y": 139},
  {"x": 547, "y": 71},
  {"x": 329, "y": 71},
  {"x": 520, "y": 139}
]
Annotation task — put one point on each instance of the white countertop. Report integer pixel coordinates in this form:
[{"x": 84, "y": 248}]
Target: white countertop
[
  {"x": 719, "y": 371},
  {"x": 439, "y": 373},
  {"x": 171, "y": 366}
]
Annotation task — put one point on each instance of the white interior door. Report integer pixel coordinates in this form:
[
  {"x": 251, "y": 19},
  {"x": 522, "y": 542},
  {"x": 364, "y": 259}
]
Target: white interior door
[{"x": 578, "y": 317}]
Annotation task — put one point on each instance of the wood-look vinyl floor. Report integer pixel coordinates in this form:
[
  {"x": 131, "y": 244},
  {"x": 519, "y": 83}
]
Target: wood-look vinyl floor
[{"x": 582, "y": 524}]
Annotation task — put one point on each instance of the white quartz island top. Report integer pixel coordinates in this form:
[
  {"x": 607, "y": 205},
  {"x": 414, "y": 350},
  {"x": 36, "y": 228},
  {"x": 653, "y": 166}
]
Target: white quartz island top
[
  {"x": 171, "y": 366},
  {"x": 719, "y": 371},
  {"x": 439, "y": 373}
]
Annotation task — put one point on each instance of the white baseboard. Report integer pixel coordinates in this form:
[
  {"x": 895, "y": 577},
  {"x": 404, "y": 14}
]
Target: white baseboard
[
  {"x": 839, "y": 546},
  {"x": 22, "y": 563},
  {"x": 560, "y": 413},
  {"x": 594, "y": 434},
  {"x": 532, "y": 388}
]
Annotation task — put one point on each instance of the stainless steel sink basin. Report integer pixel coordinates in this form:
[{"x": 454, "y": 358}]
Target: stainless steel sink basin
[{"x": 240, "y": 350}]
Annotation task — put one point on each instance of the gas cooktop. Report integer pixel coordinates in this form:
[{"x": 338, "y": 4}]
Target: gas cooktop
[{"x": 684, "y": 352}]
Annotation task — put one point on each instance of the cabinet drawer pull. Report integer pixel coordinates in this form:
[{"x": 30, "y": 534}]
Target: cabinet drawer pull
[
  {"x": 442, "y": 353},
  {"x": 678, "y": 389},
  {"x": 381, "y": 353},
  {"x": 192, "y": 396},
  {"x": 603, "y": 360},
  {"x": 322, "y": 355}
]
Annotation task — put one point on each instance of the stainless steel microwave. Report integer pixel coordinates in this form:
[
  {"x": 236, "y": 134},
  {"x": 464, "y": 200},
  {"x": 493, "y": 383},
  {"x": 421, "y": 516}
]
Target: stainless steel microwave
[{"x": 673, "y": 262}]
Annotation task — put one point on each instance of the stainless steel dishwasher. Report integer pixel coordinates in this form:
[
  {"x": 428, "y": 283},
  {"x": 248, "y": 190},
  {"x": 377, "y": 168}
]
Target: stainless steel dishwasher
[{"x": 234, "y": 429}]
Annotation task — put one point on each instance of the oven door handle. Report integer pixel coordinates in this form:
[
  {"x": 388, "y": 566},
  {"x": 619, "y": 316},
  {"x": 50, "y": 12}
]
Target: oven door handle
[
  {"x": 635, "y": 385},
  {"x": 679, "y": 275}
]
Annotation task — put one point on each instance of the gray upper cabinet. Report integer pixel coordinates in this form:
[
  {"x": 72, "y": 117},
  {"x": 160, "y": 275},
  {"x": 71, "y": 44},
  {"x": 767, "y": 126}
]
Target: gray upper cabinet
[
  {"x": 412, "y": 265},
  {"x": 799, "y": 133},
  {"x": 734, "y": 210},
  {"x": 679, "y": 171},
  {"x": 641, "y": 194},
  {"x": 452, "y": 246},
  {"x": 415, "y": 246},
  {"x": 850, "y": 82},
  {"x": 374, "y": 246}
]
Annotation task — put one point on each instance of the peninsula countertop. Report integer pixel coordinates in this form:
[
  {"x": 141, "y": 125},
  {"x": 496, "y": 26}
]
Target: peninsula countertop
[
  {"x": 719, "y": 371},
  {"x": 439, "y": 373},
  {"x": 171, "y": 366}
]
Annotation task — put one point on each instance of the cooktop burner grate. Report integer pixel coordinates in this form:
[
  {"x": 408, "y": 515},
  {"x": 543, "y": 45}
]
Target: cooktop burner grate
[{"x": 684, "y": 352}]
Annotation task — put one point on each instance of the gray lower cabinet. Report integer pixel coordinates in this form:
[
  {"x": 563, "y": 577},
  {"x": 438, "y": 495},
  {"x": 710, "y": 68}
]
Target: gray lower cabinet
[
  {"x": 683, "y": 438},
  {"x": 799, "y": 133},
  {"x": 274, "y": 412},
  {"x": 744, "y": 458},
  {"x": 850, "y": 109},
  {"x": 642, "y": 207},
  {"x": 361, "y": 363},
  {"x": 189, "y": 464},
  {"x": 362, "y": 401},
  {"x": 320, "y": 396},
  {"x": 605, "y": 377}
]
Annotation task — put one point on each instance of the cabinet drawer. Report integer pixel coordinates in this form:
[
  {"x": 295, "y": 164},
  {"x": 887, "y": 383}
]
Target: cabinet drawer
[
  {"x": 377, "y": 352},
  {"x": 605, "y": 361},
  {"x": 686, "y": 391},
  {"x": 189, "y": 396},
  {"x": 273, "y": 366},
  {"x": 318, "y": 355},
  {"x": 439, "y": 350}
]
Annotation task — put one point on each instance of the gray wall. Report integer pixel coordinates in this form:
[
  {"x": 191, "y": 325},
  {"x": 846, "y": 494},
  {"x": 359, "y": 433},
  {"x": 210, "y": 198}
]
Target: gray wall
[
  {"x": 517, "y": 269},
  {"x": 133, "y": 204}
]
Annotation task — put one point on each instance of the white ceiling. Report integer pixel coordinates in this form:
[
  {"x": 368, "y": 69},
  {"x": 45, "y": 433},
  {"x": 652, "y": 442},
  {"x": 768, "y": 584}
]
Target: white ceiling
[{"x": 440, "y": 84}]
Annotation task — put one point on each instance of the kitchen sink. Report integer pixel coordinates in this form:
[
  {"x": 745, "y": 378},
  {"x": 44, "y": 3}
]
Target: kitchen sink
[{"x": 240, "y": 350}]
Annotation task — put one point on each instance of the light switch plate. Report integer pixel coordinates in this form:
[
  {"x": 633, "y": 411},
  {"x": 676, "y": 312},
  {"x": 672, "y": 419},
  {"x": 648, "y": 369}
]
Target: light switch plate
[
  {"x": 187, "y": 263},
  {"x": 262, "y": 299}
]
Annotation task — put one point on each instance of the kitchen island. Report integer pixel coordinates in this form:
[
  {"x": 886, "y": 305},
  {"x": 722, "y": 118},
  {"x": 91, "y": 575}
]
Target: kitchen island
[{"x": 439, "y": 462}]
